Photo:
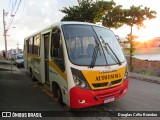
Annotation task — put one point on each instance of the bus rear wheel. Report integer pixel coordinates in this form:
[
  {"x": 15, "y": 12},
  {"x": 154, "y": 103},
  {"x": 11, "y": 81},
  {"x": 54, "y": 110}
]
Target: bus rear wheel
[{"x": 32, "y": 76}]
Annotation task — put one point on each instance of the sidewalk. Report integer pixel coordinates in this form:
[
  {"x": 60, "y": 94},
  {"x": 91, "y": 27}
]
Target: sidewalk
[
  {"x": 5, "y": 62},
  {"x": 5, "y": 65},
  {"x": 19, "y": 93}
]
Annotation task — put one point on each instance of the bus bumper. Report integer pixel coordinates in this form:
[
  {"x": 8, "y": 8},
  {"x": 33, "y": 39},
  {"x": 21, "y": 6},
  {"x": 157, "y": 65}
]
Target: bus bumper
[{"x": 81, "y": 98}]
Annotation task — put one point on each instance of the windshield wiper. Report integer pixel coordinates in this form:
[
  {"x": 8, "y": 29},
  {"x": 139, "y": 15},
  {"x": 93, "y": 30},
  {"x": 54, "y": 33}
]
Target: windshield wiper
[
  {"x": 94, "y": 56},
  {"x": 111, "y": 53}
]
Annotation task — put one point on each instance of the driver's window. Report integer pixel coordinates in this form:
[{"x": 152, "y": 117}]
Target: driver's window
[{"x": 56, "y": 48}]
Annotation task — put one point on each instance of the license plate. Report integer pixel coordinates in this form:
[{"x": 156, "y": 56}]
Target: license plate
[{"x": 109, "y": 100}]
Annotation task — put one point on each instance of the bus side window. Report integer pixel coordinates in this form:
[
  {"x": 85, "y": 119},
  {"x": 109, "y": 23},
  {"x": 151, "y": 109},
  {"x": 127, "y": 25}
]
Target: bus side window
[
  {"x": 56, "y": 49},
  {"x": 30, "y": 43},
  {"x": 27, "y": 46},
  {"x": 55, "y": 44}
]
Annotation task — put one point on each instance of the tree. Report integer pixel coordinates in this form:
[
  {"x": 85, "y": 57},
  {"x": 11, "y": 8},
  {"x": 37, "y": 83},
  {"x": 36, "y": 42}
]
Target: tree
[
  {"x": 88, "y": 11},
  {"x": 80, "y": 13},
  {"x": 102, "y": 9},
  {"x": 136, "y": 16},
  {"x": 105, "y": 12},
  {"x": 114, "y": 18}
]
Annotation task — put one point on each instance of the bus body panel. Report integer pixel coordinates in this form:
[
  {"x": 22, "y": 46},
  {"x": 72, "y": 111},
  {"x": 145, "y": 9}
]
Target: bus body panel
[
  {"x": 92, "y": 73},
  {"x": 77, "y": 95},
  {"x": 85, "y": 98},
  {"x": 55, "y": 75},
  {"x": 36, "y": 67}
]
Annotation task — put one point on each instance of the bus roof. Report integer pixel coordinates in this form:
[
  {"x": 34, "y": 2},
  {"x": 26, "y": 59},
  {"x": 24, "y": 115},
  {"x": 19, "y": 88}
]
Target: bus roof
[{"x": 60, "y": 24}]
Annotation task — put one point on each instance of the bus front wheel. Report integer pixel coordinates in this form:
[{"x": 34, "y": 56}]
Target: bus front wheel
[{"x": 57, "y": 93}]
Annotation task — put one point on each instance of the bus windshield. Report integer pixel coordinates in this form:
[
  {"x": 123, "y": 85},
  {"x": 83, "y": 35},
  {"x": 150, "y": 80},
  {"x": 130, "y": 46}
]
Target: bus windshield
[{"x": 81, "y": 41}]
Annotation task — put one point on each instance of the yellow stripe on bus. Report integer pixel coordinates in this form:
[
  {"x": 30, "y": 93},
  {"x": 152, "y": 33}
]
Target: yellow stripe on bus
[
  {"x": 34, "y": 58},
  {"x": 53, "y": 65},
  {"x": 37, "y": 58}
]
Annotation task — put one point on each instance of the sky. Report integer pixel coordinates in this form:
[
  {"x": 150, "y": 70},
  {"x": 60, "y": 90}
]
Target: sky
[{"x": 33, "y": 15}]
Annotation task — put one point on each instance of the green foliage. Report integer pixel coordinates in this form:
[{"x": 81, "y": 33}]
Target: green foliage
[
  {"x": 89, "y": 11},
  {"x": 114, "y": 18},
  {"x": 131, "y": 40},
  {"x": 108, "y": 13},
  {"x": 85, "y": 12},
  {"x": 136, "y": 15},
  {"x": 148, "y": 72}
]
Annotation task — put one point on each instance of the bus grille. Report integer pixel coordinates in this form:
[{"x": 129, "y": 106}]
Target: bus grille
[
  {"x": 108, "y": 94},
  {"x": 106, "y": 83}
]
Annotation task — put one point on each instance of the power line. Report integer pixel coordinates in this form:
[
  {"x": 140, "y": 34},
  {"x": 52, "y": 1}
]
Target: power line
[
  {"x": 24, "y": 6},
  {"x": 11, "y": 10},
  {"x": 8, "y": 6},
  {"x": 14, "y": 7},
  {"x": 17, "y": 7},
  {"x": 13, "y": 15}
]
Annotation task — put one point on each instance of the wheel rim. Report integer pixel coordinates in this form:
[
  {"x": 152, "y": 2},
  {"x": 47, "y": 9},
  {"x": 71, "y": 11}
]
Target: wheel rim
[{"x": 59, "y": 95}]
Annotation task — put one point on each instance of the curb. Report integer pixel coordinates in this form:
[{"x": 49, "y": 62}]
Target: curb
[{"x": 5, "y": 62}]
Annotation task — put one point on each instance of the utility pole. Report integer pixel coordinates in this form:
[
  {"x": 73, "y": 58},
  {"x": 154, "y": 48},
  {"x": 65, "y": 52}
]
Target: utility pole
[
  {"x": 17, "y": 47},
  {"x": 5, "y": 32}
]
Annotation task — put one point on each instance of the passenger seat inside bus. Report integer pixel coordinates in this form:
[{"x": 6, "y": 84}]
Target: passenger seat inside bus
[
  {"x": 75, "y": 52},
  {"x": 90, "y": 49}
]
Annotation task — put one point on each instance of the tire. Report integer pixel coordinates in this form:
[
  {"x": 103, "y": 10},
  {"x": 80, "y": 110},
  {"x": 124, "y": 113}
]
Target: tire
[
  {"x": 57, "y": 94},
  {"x": 32, "y": 76},
  {"x": 17, "y": 65}
]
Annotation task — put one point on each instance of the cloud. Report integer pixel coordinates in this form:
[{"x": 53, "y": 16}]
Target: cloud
[
  {"x": 34, "y": 15},
  {"x": 40, "y": 13}
]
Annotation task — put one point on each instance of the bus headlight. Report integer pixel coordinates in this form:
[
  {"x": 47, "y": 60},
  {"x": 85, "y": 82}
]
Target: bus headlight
[
  {"x": 83, "y": 84},
  {"x": 76, "y": 80},
  {"x": 80, "y": 83}
]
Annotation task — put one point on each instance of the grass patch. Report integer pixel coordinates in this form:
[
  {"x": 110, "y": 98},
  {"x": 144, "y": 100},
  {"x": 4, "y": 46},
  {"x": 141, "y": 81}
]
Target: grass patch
[
  {"x": 1, "y": 57},
  {"x": 150, "y": 73}
]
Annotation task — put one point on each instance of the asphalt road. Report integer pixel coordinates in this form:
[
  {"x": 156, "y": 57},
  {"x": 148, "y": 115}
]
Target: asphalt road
[{"x": 21, "y": 94}]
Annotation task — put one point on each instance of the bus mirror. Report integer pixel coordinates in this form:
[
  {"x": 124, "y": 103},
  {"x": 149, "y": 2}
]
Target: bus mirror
[
  {"x": 118, "y": 38},
  {"x": 56, "y": 39}
]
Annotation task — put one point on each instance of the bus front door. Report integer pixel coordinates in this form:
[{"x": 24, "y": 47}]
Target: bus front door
[{"x": 46, "y": 54}]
